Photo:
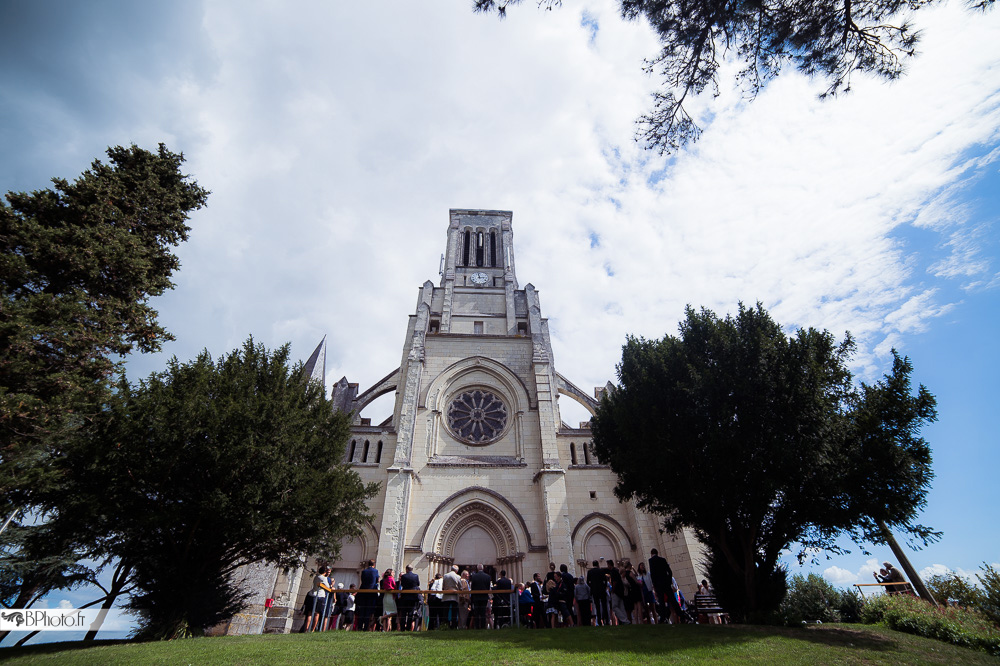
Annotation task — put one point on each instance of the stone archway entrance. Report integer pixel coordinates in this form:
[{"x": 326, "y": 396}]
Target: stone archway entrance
[{"x": 478, "y": 533}]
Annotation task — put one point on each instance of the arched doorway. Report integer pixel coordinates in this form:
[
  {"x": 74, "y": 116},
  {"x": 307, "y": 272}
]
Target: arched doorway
[
  {"x": 598, "y": 547},
  {"x": 347, "y": 569},
  {"x": 475, "y": 546},
  {"x": 598, "y": 536},
  {"x": 478, "y": 533}
]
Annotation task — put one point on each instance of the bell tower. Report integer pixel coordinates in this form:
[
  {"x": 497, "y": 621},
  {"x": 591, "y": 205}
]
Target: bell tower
[{"x": 478, "y": 268}]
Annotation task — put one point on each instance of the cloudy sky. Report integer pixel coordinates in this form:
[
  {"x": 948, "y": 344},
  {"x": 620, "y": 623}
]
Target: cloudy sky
[{"x": 335, "y": 137}]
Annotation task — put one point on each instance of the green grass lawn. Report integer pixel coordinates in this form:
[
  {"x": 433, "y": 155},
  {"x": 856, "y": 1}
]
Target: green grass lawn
[{"x": 825, "y": 644}]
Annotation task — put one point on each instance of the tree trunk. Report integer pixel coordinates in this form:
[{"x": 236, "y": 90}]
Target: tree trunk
[
  {"x": 911, "y": 573},
  {"x": 118, "y": 584},
  {"x": 109, "y": 601},
  {"x": 26, "y": 639}
]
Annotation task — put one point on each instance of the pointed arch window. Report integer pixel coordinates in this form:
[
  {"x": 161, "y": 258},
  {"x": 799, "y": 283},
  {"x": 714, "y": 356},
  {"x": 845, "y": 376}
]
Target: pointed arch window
[
  {"x": 572, "y": 453},
  {"x": 364, "y": 456},
  {"x": 354, "y": 447},
  {"x": 586, "y": 453},
  {"x": 378, "y": 452}
]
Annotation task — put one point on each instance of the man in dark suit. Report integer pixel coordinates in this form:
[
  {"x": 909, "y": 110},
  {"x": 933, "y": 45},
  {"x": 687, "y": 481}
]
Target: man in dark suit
[
  {"x": 366, "y": 602},
  {"x": 538, "y": 606},
  {"x": 567, "y": 583},
  {"x": 478, "y": 582},
  {"x": 662, "y": 576},
  {"x": 599, "y": 592},
  {"x": 407, "y": 602},
  {"x": 501, "y": 602}
]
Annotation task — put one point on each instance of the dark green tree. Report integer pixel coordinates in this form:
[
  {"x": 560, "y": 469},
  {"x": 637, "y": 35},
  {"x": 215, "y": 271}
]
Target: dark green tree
[
  {"x": 758, "y": 440},
  {"x": 833, "y": 40},
  {"x": 79, "y": 264},
  {"x": 208, "y": 466}
]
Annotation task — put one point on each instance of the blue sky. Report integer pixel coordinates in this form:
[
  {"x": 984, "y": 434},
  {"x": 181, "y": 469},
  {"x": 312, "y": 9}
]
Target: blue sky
[{"x": 335, "y": 138}]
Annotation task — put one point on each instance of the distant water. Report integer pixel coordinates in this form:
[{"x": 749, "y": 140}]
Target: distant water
[{"x": 59, "y": 637}]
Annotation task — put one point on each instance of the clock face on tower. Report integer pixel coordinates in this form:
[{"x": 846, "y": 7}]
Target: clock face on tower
[{"x": 479, "y": 278}]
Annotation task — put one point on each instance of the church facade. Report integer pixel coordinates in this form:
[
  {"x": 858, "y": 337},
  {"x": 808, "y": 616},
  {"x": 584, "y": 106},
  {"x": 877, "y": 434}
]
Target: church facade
[{"x": 475, "y": 464}]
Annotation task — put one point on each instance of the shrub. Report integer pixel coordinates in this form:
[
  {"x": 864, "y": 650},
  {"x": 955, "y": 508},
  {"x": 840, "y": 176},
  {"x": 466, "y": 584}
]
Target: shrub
[
  {"x": 810, "y": 599},
  {"x": 850, "y": 605},
  {"x": 874, "y": 609},
  {"x": 958, "y": 626}
]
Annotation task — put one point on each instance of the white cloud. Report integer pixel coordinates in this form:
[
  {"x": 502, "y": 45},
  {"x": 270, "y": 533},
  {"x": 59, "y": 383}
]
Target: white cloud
[
  {"x": 934, "y": 570},
  {"x": 334, "y": 144},
  {"x": 839, "y": 576},
  {"x": 944, "y": 570}
]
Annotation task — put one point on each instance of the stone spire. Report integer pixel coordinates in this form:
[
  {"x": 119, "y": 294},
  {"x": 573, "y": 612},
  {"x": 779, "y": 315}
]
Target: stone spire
[{"x": 316, "y": 365}]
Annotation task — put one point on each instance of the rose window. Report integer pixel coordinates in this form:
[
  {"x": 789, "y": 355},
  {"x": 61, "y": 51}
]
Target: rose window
[{"x": 477, "y": 417}]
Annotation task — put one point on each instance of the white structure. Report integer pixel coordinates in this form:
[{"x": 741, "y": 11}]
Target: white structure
[{"x": 475, "y": 463}]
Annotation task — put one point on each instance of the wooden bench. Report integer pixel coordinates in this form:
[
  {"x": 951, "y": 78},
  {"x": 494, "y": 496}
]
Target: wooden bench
[{"x": 709, "y": 611}]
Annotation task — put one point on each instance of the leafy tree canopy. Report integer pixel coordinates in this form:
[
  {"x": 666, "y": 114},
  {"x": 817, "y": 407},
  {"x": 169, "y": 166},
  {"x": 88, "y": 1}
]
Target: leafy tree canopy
[
  {"x": 952, "y": 588},
  {"x": 757, "y": 440},
  {"x": 833, "y": 40},
  {"x": 78, "y": 265},
  {"x": 208, "y": 466}
]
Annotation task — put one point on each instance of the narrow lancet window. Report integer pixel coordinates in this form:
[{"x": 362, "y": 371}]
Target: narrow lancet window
[
  {"x": 354, "y": 446},
  {"x": 480, "y": 248},
  {"x": 465, "y": 248},
  {"x": 378, "y": 453},
  {"x": 572, "y": 453},
  {"x": 364, "y": 456},
  {"x": 493, "y": 248}
]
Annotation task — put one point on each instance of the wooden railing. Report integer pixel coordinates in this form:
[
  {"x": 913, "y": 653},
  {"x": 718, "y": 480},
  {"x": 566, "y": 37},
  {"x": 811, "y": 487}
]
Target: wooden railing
[{"x": 891, "y": 588}]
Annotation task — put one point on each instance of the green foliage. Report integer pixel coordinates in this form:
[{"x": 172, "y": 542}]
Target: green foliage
[
  {"x": 954, "y": 588},
  {"x": 210, "y": 465},
  {"x": 958, "y": 626},
  {"x": 989, "y": 603},
  {"x": 787, "y": 449},
  {"x": 810, "y": 599},
  {"x": 832, "y": 41},
  {"x": 887, "y": 470},
  {"x": 35, "y": 560},
  {"x": 850, "y": 605},
  {"x": 78, "y": 265}
]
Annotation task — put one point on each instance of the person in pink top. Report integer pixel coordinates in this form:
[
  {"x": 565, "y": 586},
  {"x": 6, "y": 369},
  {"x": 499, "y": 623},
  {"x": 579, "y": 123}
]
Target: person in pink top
[{"x": 389, "y": 612}]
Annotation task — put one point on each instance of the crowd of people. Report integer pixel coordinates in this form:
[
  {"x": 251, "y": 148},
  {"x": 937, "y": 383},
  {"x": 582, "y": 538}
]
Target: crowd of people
[{"x": 610, "y": 593}]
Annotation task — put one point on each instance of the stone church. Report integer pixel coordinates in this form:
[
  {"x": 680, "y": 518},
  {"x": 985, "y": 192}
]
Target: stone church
[{"x": 475, "y": 463}]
